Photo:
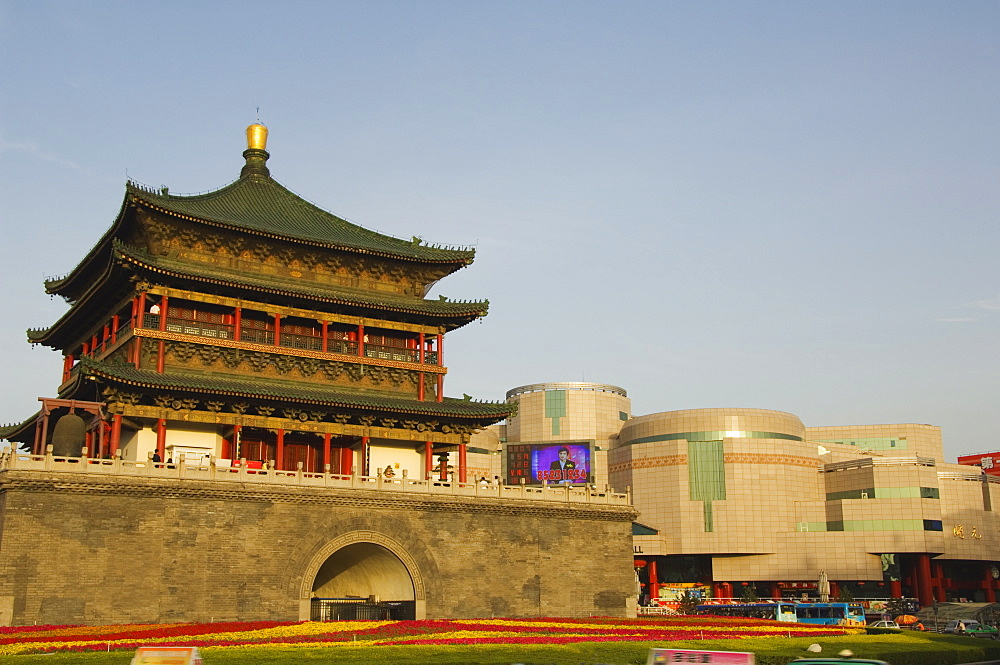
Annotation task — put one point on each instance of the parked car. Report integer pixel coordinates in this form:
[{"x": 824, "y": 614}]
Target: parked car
[{"x": 884, "y": 624}]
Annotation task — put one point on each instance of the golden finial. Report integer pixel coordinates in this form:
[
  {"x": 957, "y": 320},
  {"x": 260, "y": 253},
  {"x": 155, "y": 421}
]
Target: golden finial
[{"x": 256, "y": 137}]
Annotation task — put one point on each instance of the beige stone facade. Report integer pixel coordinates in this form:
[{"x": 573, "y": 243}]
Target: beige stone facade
[{"x": 737, "y": 498}]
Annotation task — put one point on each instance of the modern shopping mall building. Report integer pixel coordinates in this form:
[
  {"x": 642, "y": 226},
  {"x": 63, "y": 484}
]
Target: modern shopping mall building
[{"x": 752, "y": 499}]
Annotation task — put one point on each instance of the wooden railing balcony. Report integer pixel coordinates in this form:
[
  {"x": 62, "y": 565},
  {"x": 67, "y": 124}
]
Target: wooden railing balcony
[{"x": 288, "y": 340}]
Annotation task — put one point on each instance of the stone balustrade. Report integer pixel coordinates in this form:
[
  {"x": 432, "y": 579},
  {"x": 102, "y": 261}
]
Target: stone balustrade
[{"x": 212, "y": 469}]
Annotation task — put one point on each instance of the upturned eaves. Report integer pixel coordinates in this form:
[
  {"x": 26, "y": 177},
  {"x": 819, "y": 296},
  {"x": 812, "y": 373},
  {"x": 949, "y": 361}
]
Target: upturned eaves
[
  {"x": 260, "y": 388},
  {"x": 261, "y": 205}
]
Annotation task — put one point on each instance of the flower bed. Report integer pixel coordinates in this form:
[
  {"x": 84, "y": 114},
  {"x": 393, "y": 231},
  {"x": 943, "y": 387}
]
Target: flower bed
[{"x": 42, "y": 639}]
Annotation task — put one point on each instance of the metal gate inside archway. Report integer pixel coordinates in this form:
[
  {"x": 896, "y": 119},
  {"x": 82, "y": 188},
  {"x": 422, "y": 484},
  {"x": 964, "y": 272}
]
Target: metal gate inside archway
[{"x": 362, "y": 581}]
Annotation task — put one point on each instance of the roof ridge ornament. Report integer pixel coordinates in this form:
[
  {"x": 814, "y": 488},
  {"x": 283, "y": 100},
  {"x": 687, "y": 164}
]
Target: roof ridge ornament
[{"x": 255, "y": 154}]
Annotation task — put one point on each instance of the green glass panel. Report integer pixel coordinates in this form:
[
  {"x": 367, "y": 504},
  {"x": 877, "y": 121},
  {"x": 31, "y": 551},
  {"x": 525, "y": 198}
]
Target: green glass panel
[
  {"x": 706, "y": 471},
  {"x": 713, "y": 436},
  {"x": 875, "y": 443},
  {"x": 555, "y": 403},
  {"x": 555, "y": 408}
]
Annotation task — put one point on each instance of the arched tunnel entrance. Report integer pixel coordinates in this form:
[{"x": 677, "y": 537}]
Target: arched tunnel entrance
[{"x": 362, "y": 581}]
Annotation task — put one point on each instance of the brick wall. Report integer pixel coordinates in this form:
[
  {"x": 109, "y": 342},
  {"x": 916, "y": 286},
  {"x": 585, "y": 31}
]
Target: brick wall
[{"x": 78, "y": 548}]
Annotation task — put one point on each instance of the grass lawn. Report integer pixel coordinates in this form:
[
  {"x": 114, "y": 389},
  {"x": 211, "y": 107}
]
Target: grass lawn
[{"x": 905, "y": 648}]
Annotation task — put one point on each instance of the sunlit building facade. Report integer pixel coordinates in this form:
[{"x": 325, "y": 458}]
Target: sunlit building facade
[{"x": 753, "y": 502}]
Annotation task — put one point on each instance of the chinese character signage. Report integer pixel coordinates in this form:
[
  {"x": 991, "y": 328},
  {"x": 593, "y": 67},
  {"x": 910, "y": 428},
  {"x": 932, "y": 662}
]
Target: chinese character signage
[
  {"x": 167, "y": 656},
  {"x": 553, "y": 463},
  {"x": 668, "y": 656}
]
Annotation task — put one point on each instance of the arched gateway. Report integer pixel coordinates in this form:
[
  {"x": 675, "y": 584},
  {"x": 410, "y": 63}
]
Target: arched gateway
[{"x": 362, "y": 575}]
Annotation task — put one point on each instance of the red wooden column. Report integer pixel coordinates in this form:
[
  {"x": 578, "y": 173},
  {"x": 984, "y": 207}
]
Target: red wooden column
[
  {"x": 834, "y": 590},
  {"x": 237, "y": 323},
  {"x": 235, "y": 452},
  {"x": 279, "y": 453},
  {"x": 115, "y": 322},
  {"x": 161, "y": 437},
  {"x": 116, "y": 432},
  {"x": 326, "y": 345},
  {"x": 102, "y": 436},
  {"x": 36, "y": 446},
  {"x": 67, "y": 367},
  {"x": 895, "y": 589},
  {"x": 654, "y": 581},
  {"x": 925, "y": 594},
  {"x": 775, "y": 590},
  {"x": 440, "y": 377},
  {"x": 988, "y": 583},
  {"x": 277, "y": 329},
  {"x": 138, "y": 321},
  {"x": 443, "y": 470},
  {"x": 161, "y": 349},
  {"x": 327, "y": 462},
  {"x": 420, "y": 375},
  {"x": 363, "y": 462},
  {"x": 428, "y": 459},
  {"x": 463, "y": 469},
  {"x": 361, "y": 340},
  {"x": 346, "y": 461}
]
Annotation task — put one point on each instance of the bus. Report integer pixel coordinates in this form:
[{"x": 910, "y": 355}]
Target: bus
[
  {"x": 774, "y": 611},
  {"x": 838, "y": 614},
  {"x": 831, "y": 614}
]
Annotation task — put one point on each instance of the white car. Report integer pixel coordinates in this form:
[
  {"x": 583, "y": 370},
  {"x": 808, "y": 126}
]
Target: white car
[{"x": 884, "y": 624}]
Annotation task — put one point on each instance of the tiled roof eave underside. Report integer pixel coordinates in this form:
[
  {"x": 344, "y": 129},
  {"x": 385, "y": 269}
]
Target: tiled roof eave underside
[
  {"x": 259, "y": 389},
  {"x": 431, "y": 308},
  {"x": 261, "y": 205}
]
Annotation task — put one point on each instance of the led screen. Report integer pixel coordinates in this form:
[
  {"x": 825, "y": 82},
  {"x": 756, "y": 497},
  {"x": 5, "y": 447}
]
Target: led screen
[{"x": 554, "y": 463}]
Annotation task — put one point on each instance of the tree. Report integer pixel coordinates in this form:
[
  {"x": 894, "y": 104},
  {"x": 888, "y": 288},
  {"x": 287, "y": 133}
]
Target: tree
[
  {"x": 749, "y": 594},
  {"x": 687, "y": 602}
]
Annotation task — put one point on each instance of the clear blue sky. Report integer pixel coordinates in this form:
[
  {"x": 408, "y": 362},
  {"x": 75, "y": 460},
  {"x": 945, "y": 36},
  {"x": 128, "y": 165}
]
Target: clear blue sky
[{"x": 783, "y": 205}]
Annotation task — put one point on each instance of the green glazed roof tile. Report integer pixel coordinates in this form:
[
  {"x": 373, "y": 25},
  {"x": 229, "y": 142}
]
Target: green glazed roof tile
[
  {"x": 260, "y": 204},
  {"x": 389, "y": 301},
  {"x": 288, "y": 390}
]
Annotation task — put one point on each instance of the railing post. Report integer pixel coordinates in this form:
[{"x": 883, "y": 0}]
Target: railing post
[
  {"x": 298, "y": 472},
  {"x": 180, "y": 465},
  {"x": 48, "y": 457},
  {"x": 149, "y": 462}
]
